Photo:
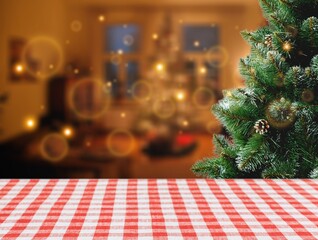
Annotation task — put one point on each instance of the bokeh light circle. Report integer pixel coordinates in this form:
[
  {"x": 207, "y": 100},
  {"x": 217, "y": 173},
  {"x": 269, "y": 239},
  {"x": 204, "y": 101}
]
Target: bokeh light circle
[
  {"x": 128, "y": 40},
  {"x": 203, "y": 98},
  {"x": 120, "y": 142},
  {"x": 42, "y": 57},
  {"x": 88, "y": 99},
  {"x": 217, "y": 56},
  {"x": 164, "y": 108},
  {"x": 115, "y": 59},
  {"x": 76, "y": 26},
  {"x": 54, "y": 147},
  {"x": 141, "y": 91}
]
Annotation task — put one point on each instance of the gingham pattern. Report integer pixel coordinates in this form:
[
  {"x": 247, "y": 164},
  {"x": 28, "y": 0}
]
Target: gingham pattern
[{"x": 158, "y": 209}]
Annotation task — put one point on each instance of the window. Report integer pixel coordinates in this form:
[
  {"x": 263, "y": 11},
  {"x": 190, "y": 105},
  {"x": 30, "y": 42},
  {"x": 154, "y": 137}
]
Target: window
[
  {"x": 201, "y": 48},
  {"x": 121, "y": 54},
  {"x": 198, "y": 38}
]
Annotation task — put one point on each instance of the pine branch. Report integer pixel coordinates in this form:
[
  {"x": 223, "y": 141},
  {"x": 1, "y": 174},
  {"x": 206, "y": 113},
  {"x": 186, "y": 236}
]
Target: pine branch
[{"x": 251, "y": 73}]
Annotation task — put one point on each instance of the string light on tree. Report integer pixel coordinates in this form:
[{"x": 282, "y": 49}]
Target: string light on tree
[{"x": 287, "y": 46}]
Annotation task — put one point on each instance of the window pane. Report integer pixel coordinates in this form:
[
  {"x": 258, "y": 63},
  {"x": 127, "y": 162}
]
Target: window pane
[
  {"x": 212, "y": 70},
  {"x": 132, "y": 72},
  {"x": 111, "y": 73},
  {"x": 123, "y": 38},
  {"x": 197, "y": 38}
]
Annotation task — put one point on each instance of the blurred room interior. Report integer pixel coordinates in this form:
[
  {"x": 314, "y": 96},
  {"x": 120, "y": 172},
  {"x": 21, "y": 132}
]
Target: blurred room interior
[{"x": 115, "y": 89}]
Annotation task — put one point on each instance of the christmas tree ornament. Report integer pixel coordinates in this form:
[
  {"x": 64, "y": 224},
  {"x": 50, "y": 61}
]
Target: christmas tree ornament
[
  {"x": 280, "y": 113},
  {"x": 261, "y": 126},
  {"x": 308, "y": 95},
  {"x": 268, "y": 41}
]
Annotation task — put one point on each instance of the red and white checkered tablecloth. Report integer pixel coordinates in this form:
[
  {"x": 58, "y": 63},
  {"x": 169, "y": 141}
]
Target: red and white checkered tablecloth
[{"x": 158, "y": 209}]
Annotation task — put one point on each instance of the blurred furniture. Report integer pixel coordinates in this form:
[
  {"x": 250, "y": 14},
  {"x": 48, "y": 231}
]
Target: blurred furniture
[{"x": 158, "y": 209}]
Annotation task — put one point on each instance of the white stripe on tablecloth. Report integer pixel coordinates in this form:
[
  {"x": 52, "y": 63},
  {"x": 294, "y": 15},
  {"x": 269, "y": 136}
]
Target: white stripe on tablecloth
[
  {"x": 61, "y": 226},
  {"x": 116, "y": 227},
  {"x": 144, "y": 215},
  {"x": 91, "y": 218},
  {"x": 172, "y": 227}
]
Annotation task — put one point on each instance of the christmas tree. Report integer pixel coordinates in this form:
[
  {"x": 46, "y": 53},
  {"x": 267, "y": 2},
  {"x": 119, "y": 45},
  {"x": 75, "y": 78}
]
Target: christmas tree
[{"x": 273, "y": 121}]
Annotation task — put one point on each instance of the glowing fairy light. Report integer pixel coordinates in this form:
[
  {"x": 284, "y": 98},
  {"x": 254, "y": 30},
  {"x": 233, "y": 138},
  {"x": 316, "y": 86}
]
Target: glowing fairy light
[
  {"x": 287, "y": 46},
  {"x": 123, "y": 115},
  {"x": 180, "y": 96},
  {"x": 30, "y": 123},
  {"x": 160, "y": 67},
  {"x": 185, "y": 123},
  {"x": 101, "y": 18},
  {"x": 18, "y": 68},
  {"x": 203, "y": 70},
  {"x": 76, "y": 71},
  {"x": 196, "y": 43},
  {"x": 155, "y": 36},
  {"x": 68, "y": 132},
  {"x": 120, "y": 51}
]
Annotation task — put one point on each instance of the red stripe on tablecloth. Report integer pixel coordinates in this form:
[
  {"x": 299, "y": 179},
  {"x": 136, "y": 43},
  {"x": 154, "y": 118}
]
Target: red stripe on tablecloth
[
  {"x": 209, "y": 218},
  {"x": 292, "y": 222},
  {"x": 266, "y": 223},
  {"x": 106, "y": 212},
  {"x": 312, "y": 183},
  {"x": 6, "y": 188},
  {"x": 6, "y": 211},
  {"x": 304, "y": 192},
  {"x": 294, "y": 202},
  {"x": 27, "y": 216},
  {"x": 55, "y": 212},
  {"x": 131, "y": 218},
  {"x": 78, "y": 219},
  {"x": 159, "y": 229},
  {"x": 185, "y": 224},
  {"x": 237, "y": 220}
]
